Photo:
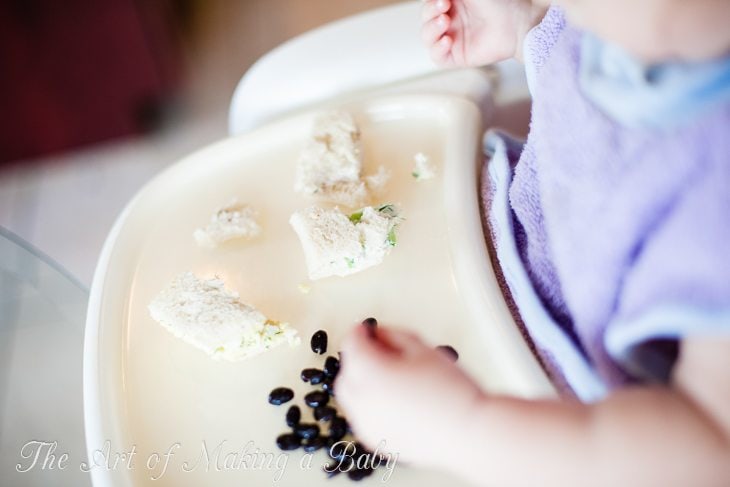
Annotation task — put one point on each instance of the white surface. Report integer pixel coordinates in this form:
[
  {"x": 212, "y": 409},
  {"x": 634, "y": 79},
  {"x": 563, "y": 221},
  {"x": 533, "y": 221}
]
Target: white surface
[
  {"x": 372, "y": 49},
  {"x": 144, "y": 387}
]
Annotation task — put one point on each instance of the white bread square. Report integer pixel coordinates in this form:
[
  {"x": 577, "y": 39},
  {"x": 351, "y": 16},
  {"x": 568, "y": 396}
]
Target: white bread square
[
  {"x": 330, "y": 164},
  {"x": 336, "y": 244},
  {"x": 231, "y": 222},
  {"x": 203, "y": 313}
]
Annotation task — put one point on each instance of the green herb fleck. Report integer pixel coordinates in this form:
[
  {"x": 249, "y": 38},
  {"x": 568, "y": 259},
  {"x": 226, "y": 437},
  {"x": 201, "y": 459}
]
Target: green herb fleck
[
  {"x": 391, "y": 237},
  {"x": 350, "y": 262},
  {"x": 356, "y": 217},
  {"x": 388, "y": 210},
  {"x": 415, "y": 174}
]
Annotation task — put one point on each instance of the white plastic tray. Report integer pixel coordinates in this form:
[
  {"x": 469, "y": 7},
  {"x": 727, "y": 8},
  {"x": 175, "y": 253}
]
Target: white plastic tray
[{"x": 144, "y": 388}]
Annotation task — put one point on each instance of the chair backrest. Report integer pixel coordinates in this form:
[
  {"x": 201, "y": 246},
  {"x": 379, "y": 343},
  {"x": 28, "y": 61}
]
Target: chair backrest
[{"x": 371, "y": 49}]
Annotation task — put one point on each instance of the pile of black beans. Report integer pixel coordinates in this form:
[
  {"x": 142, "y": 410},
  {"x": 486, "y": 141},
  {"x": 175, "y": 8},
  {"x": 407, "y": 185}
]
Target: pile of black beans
[
  {"x": 346, "y": 455},
  {"x": 311, "y": 436}
]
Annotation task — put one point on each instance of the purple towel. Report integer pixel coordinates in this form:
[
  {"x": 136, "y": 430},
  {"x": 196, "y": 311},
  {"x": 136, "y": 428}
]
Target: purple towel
[{"x": 623, "y": 235}]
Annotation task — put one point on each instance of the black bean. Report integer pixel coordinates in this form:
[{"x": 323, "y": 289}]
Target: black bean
[
  {"x": 340, "y": 454},
  {"x": 338, "y": 450},
  {"x": 313, "y": 376},
  {"x": 293, "y": 415},
  {"x": 328, "y": 386},
  {"x": 306, "y": 430},
  {"x": 280, "y": 395},
  {"x": 359, "y": 449},
  {"x": 338, "y": 428},
  {"x": 347, "y": 464},
  {"x": 288, "y": 441},
  {"x": 316, "y": 399},
  {"x": 362, "y": 454},
  {"x": 331, "y": 367},
  {"x": 378, "y": 460},
  {"x": 449, "y": 351},
  {"x": 358, "y": 474},
  {"x": 324, "y": 413},
  {"x": 319, "y": 342},
  {"x": 314, "y": 444},
  {"x": 333, "y": 469}
]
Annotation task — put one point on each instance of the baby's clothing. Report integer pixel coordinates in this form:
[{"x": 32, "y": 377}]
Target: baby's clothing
[
  {"x": 614, "y": 241},
  {"x": 660, "y": 97}
]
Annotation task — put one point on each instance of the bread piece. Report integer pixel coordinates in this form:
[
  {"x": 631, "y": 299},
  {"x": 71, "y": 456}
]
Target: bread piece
[
  {"x": 203, "y": 313},
  {"x": 228, "y": 223},
  {"x": 330, "y": 164},
  {"x": 335, "y": 244}
]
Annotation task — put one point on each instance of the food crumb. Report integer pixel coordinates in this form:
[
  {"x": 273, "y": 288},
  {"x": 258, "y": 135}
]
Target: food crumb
[
  {"x": 424, "y": 169},
  {"x": 376, "y": 182}
]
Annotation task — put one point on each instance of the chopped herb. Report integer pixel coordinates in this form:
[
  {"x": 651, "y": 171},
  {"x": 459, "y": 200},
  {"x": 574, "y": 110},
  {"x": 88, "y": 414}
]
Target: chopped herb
[
  {"x": 388, "y": 210},
  {"x": 350, "y": 262},
  {"x": 415, "y": 174},
  {"x": 356, "y": 217},
  {"x": 391, "y": 237}
]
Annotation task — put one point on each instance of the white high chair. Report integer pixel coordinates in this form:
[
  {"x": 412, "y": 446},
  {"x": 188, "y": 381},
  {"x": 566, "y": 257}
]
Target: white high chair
[
  {"x": 129, "y": 386},
  {"x": 380, "y": 52}
]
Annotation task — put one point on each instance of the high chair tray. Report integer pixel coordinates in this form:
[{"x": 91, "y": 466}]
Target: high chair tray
[{"x": 146, "y": 389}]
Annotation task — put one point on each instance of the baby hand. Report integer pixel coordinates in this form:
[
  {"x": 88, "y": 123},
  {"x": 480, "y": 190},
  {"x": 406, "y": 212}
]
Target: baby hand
[
  {"x": 396, "y": 389},
  {"x": 476, "y": 32}
]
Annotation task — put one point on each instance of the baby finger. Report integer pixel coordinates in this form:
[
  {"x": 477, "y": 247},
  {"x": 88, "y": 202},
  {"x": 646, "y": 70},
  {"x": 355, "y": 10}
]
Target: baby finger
[
  {"x": 432, "y": 30},
  {"x": 433, "y": 8}
]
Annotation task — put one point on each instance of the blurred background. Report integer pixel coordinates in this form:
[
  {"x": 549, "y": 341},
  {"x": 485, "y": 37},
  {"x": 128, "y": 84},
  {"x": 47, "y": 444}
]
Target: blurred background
[{"x": 96, "y": 96}]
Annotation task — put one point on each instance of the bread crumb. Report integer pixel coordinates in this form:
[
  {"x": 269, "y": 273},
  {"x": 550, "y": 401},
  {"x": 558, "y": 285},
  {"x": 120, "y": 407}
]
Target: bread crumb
[
  {"x": 376, "y": 182},
  {"x": 424, "y": 169}
]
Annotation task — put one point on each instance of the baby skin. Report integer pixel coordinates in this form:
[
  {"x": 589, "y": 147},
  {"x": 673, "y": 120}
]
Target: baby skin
[{"x": 396, "y": 388}]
